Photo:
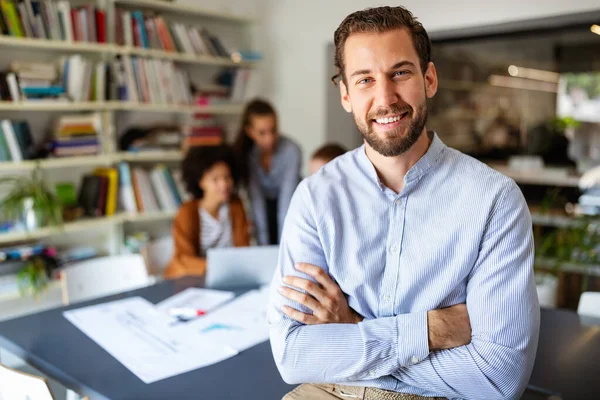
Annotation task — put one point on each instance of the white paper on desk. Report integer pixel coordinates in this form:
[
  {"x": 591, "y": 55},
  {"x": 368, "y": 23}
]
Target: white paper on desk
[
  {"x": 239, "y": 324},
  {"x": 138, "y": 335},
  {"x": 200, "y": 299}
]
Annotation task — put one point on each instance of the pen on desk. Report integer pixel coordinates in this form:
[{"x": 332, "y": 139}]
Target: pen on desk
[{"x": 185, "y": 313}]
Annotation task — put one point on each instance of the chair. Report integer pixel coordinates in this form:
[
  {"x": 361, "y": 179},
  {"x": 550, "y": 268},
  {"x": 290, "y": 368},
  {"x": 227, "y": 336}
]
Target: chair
[
  {"x": 158, "y": 254},
  {"x": 589, "y": 304},
  {"x": 17, "y": 385},
  {"x": 103, "y": 276}
]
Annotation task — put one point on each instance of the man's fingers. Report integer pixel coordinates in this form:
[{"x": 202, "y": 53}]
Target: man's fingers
[
  {"x": 320, "y": 275},
  {"x": 304, "y": 299},
  {"x": 300, "y": 316},
  {"x": 312, "y": 288}
]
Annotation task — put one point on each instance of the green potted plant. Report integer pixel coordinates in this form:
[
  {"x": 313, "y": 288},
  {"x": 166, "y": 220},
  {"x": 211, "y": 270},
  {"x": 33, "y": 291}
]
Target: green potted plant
[
  {"x": 28, "y": 202},
  {"x": 574, "y": 246},
  {"x": 34, "y": 277}
]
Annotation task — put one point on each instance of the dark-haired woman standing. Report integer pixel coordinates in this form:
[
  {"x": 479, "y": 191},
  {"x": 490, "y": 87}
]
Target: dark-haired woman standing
[
  {"x": 270, "y": 169},
  {"x": 215, "y": 218}
]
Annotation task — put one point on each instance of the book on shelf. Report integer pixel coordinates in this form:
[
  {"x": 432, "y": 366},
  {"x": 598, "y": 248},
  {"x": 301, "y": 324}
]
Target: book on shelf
[
  {"x": 151, "y": 81},
  {"x": 201, "y": 130},
  {"x": 77, "y": 135},
  {"x": 74, "y": 78},
  {"x": 45, "y": 19},
  {"x": 234, "y": 79},
  {"x": 152, "y": 31},
  {"x": 155, "y": 137},
  {"x": 98, "y": 192},
  {"x": 153, "y": 190},
  {"x": 16, "y": 142}
]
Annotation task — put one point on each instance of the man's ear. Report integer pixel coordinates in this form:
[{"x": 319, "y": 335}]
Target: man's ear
[
  {"x": 431, "y": 81},
  {"x": 345, "y": 97}
]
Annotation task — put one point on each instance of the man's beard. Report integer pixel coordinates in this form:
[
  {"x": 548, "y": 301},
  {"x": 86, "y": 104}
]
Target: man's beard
[{"x": 394, "y": 143}]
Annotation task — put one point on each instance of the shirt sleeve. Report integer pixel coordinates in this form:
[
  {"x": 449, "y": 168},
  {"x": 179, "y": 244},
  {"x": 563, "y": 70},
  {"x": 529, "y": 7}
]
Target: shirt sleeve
[
  {"x": 332, "y": 353},
  {"x": 257, "y": 201},
  {"x": 289, "y": 182},
  {"x": 504, "y": 314}
]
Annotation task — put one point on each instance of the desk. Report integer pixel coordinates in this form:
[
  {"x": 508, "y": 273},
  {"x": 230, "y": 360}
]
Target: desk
[
  {"x": 53, "y": 345},
  {"x": 568, "y": 358}
]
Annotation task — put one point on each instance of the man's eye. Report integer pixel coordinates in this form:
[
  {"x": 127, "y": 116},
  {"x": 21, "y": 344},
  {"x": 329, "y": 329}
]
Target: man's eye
[{"x": 365, "y": 80}]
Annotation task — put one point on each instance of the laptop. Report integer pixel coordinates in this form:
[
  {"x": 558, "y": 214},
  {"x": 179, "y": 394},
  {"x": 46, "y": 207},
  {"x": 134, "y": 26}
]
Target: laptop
[{"x": 237, "y": 267}]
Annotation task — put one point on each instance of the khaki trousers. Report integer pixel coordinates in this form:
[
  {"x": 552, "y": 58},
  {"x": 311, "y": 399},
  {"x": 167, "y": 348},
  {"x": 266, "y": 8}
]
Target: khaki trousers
[{"x": 337, "y": 392}]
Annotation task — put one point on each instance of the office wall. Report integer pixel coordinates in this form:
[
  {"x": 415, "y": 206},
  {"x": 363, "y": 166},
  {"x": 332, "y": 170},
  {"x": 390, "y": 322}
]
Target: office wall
[{"x": 297, "y": 34}]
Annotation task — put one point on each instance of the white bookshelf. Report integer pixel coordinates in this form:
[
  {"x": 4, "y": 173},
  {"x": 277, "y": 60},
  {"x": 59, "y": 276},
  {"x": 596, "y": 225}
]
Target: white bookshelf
[
  {"x": 56, "y": 163},
  {"x": 183, "y": 57},
  {"x": 157, "y": 216},
  {"x": 53, "y": 106},
  {"x": 65, "y": 106},
  {"x": 150, "y": 156},
  {"x": 175, "y": 8},
  {"x": 543, "y": 176},
  {"x": 557, "y": 221},
  {"x": 86, "y": 224},
  {"x": 116, "y": 115},
  {"x": 93, "y": 161},
  {"x": 56, "y": 45},
  {"x": 67, "y": 228},
  {"x": 219, "y": 109}
]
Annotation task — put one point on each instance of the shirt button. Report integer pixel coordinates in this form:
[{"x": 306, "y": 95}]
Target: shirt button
[
  {"x": 414, "y": 359},
  {"x": 387, "y": 298},
  {"x": 394, "y": 249},
  {"x": 398, "y": 202},
  {"x": 371, "y": 373}
]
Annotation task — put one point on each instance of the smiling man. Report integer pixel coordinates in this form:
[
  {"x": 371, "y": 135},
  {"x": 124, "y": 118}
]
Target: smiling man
[{"x": 406, "y": 267}]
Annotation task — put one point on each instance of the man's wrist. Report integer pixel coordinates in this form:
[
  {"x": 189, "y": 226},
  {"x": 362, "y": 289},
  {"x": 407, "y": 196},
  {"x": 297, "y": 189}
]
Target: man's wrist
[{"x": 433, "y": 330}]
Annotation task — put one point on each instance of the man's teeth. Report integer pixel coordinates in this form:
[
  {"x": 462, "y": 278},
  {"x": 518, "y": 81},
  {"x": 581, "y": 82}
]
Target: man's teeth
[{"x": 388, "y": 120}]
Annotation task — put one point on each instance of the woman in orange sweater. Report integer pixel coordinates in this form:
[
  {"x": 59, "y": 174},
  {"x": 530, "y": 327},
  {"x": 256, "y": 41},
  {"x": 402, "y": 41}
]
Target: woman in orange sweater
[{"x": 215, "y": 218}]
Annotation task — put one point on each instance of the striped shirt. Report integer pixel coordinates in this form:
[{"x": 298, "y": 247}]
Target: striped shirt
[
  {"x": 213, "y": 232},
  {"x": 279, "y": 183},
  {"x": 457, "y": 232}
]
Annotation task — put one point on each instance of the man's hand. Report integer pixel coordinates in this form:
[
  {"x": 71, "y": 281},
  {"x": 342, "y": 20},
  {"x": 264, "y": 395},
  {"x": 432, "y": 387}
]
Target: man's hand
[
  {"x": 448, "y": 327},
  {"x": 325, "y": 298}
]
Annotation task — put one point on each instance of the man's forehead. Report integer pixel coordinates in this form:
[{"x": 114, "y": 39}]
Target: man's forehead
[{"x": 363, "y": 46}]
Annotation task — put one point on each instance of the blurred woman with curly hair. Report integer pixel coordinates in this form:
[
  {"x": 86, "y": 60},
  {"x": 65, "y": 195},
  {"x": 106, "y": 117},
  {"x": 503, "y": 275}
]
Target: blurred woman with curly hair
[{"x": 214, "y": 218}]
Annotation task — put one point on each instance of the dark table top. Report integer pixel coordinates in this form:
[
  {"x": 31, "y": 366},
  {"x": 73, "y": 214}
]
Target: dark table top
[
  {"x": 53, "y": 345},
  {"x": 568, "y": 357},
  {"x": 567, "y": 363}
]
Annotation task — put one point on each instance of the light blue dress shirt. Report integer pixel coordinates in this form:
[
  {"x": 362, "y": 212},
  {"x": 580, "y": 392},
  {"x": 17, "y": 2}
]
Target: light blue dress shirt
[
  {"x": 279, "y": 183},
  {"x": 457, "y": 232}
]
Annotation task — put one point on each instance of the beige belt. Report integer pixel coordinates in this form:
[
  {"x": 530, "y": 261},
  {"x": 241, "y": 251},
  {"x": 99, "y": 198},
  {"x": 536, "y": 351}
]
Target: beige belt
[{"x": 368, "y": 393}]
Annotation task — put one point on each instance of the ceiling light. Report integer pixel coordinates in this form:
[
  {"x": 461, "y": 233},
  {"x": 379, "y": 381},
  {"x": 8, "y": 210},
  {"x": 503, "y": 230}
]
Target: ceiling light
[
  {"x": 535, "y": 74},
  {"x": 596, "y": 29}
]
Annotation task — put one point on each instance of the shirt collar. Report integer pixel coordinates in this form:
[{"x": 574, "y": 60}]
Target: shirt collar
[{"x": 425, "y": 163}]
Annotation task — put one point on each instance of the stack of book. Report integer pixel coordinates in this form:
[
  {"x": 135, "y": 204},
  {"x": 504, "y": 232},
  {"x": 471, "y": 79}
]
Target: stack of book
[
  {"x": 211, "y": 94},
  {"x": 16, "y": 143},
  {"x": 84, "y": 79},
  {"x": 45, "y": 19},
  {"x": 75, "y": 79},
  {"x": 24, "y": 80},
  {"x": 150, "y": 191},
  {"x": 77, "y": 135},
  {"x": 98, "y": 192},
  {"x": 154, "y": 32},
  {"x": 151, "y": 81},
  {"x": 202, "y": 130},
  {"x": 158, "y": 137}
]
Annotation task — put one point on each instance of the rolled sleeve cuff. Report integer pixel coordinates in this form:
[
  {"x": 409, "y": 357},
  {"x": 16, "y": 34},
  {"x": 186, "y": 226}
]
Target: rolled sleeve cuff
[{"x": 413, "y": 338}]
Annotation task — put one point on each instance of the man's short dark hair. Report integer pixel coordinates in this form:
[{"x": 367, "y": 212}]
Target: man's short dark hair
[
  {"x": 328, "y": 152},
  {"x": 378, "y": 20},
  {"x": 200, "y": 159}
]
